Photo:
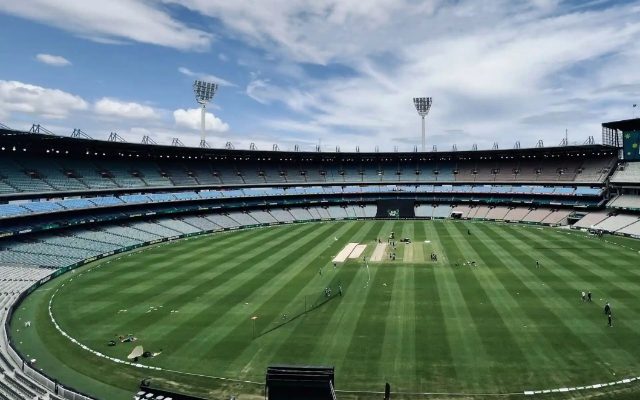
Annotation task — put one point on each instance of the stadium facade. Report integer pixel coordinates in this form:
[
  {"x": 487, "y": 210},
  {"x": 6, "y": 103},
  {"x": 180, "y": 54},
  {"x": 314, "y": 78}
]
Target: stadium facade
[{"x": 67, "y": 201}]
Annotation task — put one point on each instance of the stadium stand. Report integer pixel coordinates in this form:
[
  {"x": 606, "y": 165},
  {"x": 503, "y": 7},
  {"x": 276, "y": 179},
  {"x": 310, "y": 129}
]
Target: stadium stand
[
  {"x": 179, "y": 226},
  {"x": 263, "y": 217},
  {"x": 102, "y": 189},
  {"x": 302, "y": 214},
  {"x": 627, "y": 173},
  {"x": 70, "y": 174},
  {"x": 441, "y": 211},
  {"x": 497, "y": 213},
  {"x": 625, "y": 201},
  {"x": 482, "y": 212},
  {"x": 462, "y": 209},
  {"x": 616, "y": 222},
  {"x": 337, "y": 212},
  {"x": 479, "y": 192},
  {"x": 591, "y": 219},
  {"x": 323, "y": 212},
  {"x": 282, "y": 215},
  {"x": 557, "y": 217},
  {"x": 244, "y": 218},
  {"x": 631, "y": 230},
  {"x": 537, "y": 215},
  {"x": 224, "y": 221},
  {"x": 424, "y": 211},
  {"x": 201, "y": 223},
  {"x": 516, "y": 214}
]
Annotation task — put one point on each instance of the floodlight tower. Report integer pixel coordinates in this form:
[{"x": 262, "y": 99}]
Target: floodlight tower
[
  {"x": 423, "y": 105},
  {"x": 204, "y": 92}
]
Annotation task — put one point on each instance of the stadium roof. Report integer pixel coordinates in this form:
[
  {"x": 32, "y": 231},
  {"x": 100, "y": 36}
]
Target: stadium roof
[
  {"x": 624, "y": 125},
  {"x": 45, "y": 144}
]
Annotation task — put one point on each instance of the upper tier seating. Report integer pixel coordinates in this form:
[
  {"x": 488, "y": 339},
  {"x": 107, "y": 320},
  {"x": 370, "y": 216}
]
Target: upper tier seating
[
  {"x": 27, "y": 174},
  {"x": 628, "y": 172},
  {"x": 22, "y": 207}
]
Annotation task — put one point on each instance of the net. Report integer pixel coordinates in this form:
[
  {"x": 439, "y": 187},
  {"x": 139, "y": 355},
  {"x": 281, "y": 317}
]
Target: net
[{"x": 308, "y": 304}]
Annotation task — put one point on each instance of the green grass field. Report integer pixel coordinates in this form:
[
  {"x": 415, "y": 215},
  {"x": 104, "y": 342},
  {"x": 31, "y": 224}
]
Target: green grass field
[{"x": 501, "y": 327}]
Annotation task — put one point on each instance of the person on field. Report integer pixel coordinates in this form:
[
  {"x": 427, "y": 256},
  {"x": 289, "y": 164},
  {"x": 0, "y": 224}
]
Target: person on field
[
  {"x": 610, "y": 320},
  {"x": 589, "y": 296},
  {"x": 584, "y": 296},
  {"x": 607, "y": 309},
  {"x": 537, "y": 264}
]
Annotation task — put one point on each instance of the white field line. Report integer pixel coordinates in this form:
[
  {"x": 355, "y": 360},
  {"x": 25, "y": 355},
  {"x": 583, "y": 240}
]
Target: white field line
[
  {"x": 357, "y": 251},
  {"x": 344, "y": 253},
  {"x": 378, "y": 252}
]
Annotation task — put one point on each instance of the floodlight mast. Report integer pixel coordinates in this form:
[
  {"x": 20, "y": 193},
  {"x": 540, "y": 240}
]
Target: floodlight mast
[
  {"x": 423, "y": 105},
  {"x": 204, "y": 92}
]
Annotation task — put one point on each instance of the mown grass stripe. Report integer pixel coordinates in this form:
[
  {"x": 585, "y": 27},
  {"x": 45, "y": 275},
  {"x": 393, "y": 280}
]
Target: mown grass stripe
[
  {"x": 353, "y": 305},
  {"x": 144, "y": 289},
  {"x": 288, "y": 296},
  {"x": 468, "y": 352},
  {"x": 500, "y": 289},
  {"x": 579, "y": 351},
  {"x": 299, "y": 342},
  {"x": 585, "y": 270},
  {"x": 258, "y": 270},
  {"x": 180, "y": 289}
]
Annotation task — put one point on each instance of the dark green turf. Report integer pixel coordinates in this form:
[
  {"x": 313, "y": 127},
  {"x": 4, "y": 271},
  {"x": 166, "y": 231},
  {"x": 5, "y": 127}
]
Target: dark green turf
[{"x": 501, "y": 327}]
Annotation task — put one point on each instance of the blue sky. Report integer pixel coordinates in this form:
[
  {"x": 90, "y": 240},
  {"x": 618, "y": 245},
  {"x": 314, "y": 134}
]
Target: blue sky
[{"x": 335, "y": 72}]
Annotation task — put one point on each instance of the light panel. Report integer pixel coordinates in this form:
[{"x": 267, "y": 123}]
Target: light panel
[
  {"x": 204, "y": 91},
  {"x": 423, "y": 105}
]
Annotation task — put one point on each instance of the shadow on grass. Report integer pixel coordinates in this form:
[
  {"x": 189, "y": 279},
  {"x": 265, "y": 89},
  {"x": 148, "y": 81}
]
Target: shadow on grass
[{"x": 307, "y": 311}]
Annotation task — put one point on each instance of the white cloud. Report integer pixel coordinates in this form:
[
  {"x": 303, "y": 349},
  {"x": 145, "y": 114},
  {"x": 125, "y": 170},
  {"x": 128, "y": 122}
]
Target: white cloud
[
  {"x": 500, "y": 70},
  {"x": 205, "y": 77},
  {"x": 21, "y": 97},
  {"x": 112, "y": 21},
  {"x": 56, "y": 61},
  {"x": 489, "y": 67},
  {"x": 190, "y": 119},
  {"x": 121, "y": 109},
  {"x": 311, "y": 31}
]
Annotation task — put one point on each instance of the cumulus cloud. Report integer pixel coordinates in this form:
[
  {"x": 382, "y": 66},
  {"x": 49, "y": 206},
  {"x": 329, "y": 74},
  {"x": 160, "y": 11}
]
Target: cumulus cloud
[
  {"x": 489, "y": 66},
  {"x": 31, "y": 99},
  {"x": 112, "y": 21},
  {"x": 190, "y": 119},
  {"x": 109, "y": 107},
  {"x": 205, "y": 77},
  {"x": 56, "y": 61},
  {"x": 500, "y": 70}
]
